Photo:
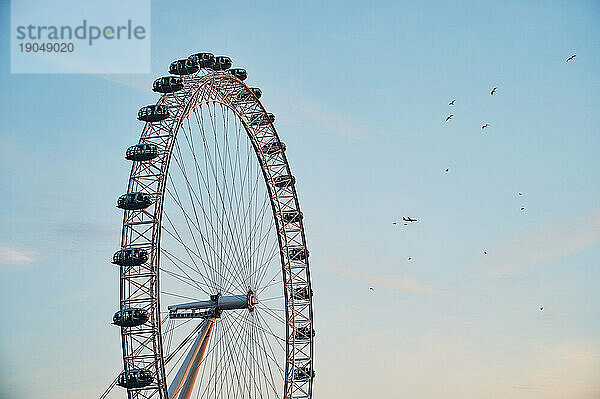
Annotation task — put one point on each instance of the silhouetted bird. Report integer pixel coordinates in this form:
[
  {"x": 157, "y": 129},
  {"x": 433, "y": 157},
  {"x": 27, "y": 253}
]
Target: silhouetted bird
[
  {"x": 371, "y": 289},
  {"x": 541, "y": 308},
  {"x": 447, "y": 169},
  {"x": 522, "y": 208},
  {"x": 451, "y": 102},
  {"x": 571, "y": 58},
  {"x": 409, "y": 258},
  {"x": 484, "y": 126},
  {"x": 493, "y": 91},
  {"x": 485, "y": 252},
  {"x": 520, "y": 194},
  {"x": 449, "y": 117}
]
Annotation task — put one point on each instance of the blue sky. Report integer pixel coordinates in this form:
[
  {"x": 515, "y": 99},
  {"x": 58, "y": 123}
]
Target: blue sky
[{"x": 360, "y": 93}]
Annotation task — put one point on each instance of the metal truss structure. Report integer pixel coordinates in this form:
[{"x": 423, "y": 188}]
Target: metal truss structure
[{"x": 191, "y": 230}]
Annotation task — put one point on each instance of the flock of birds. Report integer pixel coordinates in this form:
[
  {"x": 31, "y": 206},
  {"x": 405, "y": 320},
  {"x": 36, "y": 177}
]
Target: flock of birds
[
  {"x": 406, "y": 220},
  {"x": 492, "y": 92},
  {"x": 451, "y": 103}
]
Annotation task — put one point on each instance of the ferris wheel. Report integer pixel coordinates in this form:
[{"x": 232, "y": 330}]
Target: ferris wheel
[{"x": 215, "y": 290}]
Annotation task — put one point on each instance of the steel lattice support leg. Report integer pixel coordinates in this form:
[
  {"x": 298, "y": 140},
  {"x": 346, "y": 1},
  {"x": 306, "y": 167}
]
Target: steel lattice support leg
[{"x": 183, "y": 383}]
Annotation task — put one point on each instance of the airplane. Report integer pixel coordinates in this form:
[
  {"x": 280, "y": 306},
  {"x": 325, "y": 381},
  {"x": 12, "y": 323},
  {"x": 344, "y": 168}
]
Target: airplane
[{"x": 408, "y": 219}]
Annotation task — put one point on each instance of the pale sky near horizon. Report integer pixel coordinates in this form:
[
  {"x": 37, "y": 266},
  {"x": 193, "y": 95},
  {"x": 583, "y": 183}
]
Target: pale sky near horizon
[{"x": 360, "y": 93}]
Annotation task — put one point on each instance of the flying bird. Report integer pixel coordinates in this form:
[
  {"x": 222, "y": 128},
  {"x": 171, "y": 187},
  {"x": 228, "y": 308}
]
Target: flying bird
[
  {"x": 484, "y": 126},
  {"x": 409, "y": 258},
  {"x": 571, "y": 58},
  {"x": 520, "y": 194},
  {"x": 447, "y": 169},
  {"x": 485, "y": 252},
  {"x": 541, "y": 308},
  {"x": 371, "y": 289},
  {"x": 493, "y": 91},
  {"x": 394, "y": 223},
  {"x": 522, "y": 208},
  {"x": 449, "y": 117},
  {"x": 452, "y": 102}
]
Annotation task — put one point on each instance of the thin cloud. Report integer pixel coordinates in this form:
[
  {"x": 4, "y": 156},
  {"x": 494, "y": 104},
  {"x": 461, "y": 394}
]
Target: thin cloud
[
  {"x": 407, "y": 284},
  {"x": 140, "y": 82},
  {"x": 549, "y": 243},
  {"x": 568, "y": 370},
  {"x": 328, "y": 120},
  {"x": 11, "y": 257},
  {"x": 84, "y": 230}
]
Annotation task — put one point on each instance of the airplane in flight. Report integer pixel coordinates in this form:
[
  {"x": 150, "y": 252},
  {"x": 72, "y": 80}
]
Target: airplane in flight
[{"x": 408, "y": 219}]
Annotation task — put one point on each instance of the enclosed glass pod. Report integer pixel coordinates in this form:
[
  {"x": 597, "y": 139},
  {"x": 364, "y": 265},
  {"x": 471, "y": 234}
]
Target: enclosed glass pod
[
  {"x": 298, "y": 253},
  {"x": 302, "y": 293},
  {"x": 221, "y": 63},
  {"x": 136, "y": 378},
  {"x": 261, "y": 119},
  {"x": 249, "y": 93},
  {"x": 184, "y": 66},
  {"x": 130, "y": 257},
  {"x": 256, "y": 91},
  {"x": 304, "y": 333},
  {"x": 239, "y": 73},
  {"x": 131, "y": 317},
  {"x": 153, "y": 113},
  {"x": 167, "y": 84},
  {"x": 291, "y": 216},
  {"x": 203, "y": 60},
  {"x": 134, "y": 201},
  {"x": 303, "y": 373},
  {"x": 284, "y": 181},
  {"x": 141, "y": 152},
  {"x": 244, "y": 95},
  {"x": 273, "y": 147}
]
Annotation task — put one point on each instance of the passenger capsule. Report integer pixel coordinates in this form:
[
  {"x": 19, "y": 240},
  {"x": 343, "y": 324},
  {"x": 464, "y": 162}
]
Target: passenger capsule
[
  {"x": 249, "y": 93},
  {"x": 273, "y": 147},
  {"x": 302, "y": 293},
  {"x": 284, "y": 181},
  {"x": 239, "y": 73},
  {"x": 134, "y": 201},
  {"x": 136, "y": 378},
  {"x": 291, "y": 216},
  {"x": 153, "y": 113},
  {"x": 256, "y": 91},
  {"x": 186, "y": 66},
  {"x": 167, "y": 84},
  {"x": 261, "y": 119},
  {"x": 304, "y": 333},
  {"x": 204, "y": 60},
  {"x": 221, "y": 63},
  {"x": 244, "y": 95},
  {"x": 131, "y": 317},
  {"x": 141, "y": 152},
  {"x": 303, "y": 373},
  {"x": 130, "y": 257},
  {"x": 298, "y": 253}
]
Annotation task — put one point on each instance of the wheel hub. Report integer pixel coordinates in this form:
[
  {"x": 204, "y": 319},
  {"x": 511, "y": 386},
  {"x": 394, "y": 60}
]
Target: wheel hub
[{"x": 214, "y": 306}]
